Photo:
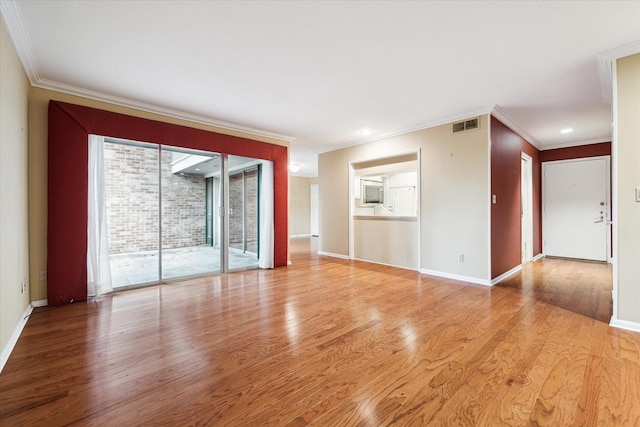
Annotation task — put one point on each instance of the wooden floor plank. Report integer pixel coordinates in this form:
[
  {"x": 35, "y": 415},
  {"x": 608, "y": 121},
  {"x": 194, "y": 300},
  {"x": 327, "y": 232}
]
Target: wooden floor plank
[{"x": 327, "y": 341}]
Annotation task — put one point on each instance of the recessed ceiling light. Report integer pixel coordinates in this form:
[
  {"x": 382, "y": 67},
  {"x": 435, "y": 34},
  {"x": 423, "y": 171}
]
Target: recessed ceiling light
[
  {"x": 365, "y": 131},
  {"x": 566, "y": 130},
  {"x": 197, "y": 169}
]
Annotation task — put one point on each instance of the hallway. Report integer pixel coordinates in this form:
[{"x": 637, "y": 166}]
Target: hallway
[{"x": 582, "y": 287}]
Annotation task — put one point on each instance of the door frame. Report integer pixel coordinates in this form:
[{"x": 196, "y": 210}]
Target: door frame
[
  {"x": 607, "y": 201},
  {"x": 526, "y": 197}
]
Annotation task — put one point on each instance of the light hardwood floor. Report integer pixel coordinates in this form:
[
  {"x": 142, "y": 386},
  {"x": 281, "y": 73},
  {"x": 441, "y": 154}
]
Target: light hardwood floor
[{"x": 331, "y": 342}]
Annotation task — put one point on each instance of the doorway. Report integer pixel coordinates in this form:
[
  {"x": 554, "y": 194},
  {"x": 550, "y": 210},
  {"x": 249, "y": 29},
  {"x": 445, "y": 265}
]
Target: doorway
[{"x": 576, "y": 200}]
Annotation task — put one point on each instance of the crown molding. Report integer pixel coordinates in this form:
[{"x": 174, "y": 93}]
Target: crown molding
[
  {"x": 501, "y": 115},
  {"x": 12, "y": 15},
  {"x": 150, "y": 108},
  {"x": 426, "y": 125},
  {"x": 605, "y": 61},
  {"x": 575, "y": 144}
]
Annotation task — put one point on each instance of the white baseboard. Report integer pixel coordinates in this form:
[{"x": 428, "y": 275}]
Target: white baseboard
[
  {"x": 293, "y": 236},
  {"x": 503, "y": 276},
  {"x": 461, "y": 278},
  {"x": 537, "y": 257},
  {"x": 388, "y": 265},
  {"x": 13, "y": 339},
  {"x": 39, "y": 303},
  {"x": 625, "y": 324},
  {"x": 333, "y": 255}
]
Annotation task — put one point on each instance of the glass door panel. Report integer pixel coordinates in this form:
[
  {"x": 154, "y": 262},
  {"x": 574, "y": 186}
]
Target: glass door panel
[
  {"x": 244, "y": 212},
  {"x": 188, "y": 206},
  {"x": 131, "y": 187}
]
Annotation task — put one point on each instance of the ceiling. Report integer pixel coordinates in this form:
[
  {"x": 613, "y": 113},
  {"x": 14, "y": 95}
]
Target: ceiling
[{"x": 319, "y": 72}]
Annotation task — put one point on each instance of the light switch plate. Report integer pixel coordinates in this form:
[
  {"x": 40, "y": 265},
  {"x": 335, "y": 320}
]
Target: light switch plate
[{"x": 637, "y": 194}]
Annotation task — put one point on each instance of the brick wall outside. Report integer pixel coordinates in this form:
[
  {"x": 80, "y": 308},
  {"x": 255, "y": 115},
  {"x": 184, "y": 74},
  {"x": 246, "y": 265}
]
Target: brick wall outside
[
  {"x": 235, "y": 204},
  {"x": 183, "y": 207},
  {"x": 131, "y": 181}
]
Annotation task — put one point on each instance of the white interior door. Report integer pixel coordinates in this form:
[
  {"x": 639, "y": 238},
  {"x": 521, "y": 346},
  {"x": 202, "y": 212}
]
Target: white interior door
[
  {"x": 576, "y": 208},
  {"x": 314, "y": 210}
]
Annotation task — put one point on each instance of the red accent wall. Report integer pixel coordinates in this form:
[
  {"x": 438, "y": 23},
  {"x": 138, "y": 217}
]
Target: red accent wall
[
  {"x": 578, "y": 152},
  {"x": 506, "y": 227},
  {"x": 69, "y": 127}
]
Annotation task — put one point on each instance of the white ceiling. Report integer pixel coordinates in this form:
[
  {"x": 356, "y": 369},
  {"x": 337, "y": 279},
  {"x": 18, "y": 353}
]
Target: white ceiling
[{"x": 318, "y": 72}]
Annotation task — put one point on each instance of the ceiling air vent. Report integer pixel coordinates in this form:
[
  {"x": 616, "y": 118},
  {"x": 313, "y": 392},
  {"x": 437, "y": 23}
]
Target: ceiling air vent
[{"x": 466, "y": 125}]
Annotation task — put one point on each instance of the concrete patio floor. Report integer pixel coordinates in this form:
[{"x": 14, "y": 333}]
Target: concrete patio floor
[{"x": 135, "y": 268}]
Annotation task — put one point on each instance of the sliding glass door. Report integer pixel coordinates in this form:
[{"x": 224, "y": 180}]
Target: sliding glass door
[
  {"x": 244, "y": 212},
  {"x": 186, "y": 250},
  {"x": 175, "y": 213}
]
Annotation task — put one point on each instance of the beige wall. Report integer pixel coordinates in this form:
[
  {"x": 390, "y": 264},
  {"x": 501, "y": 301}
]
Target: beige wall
[
  {"x": 386, "y": 241},
  {"x": 300, "y": 205},
  {"x": 14, "y": 237},
  {"x": 628, "y": 158},
  {"x": 38, "y": 103},
  {"x": 454, "y": 192}
]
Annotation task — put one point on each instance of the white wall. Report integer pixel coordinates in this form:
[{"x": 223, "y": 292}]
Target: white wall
[
  {"x": 14, "y": 237},
  {"x": 454, "y": 193}
]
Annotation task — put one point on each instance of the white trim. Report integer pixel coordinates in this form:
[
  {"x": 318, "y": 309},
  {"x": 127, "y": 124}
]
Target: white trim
[
  {"x": 150, "y": 108},
  {"x": 527, "y": 217},
  {"x": 351, "y": 175},
  {"x": 606, "y": 67},
  {"x": 579, "y": 159},
  {"x": 614, "y": 188},
  {"x": 501, "y": 115},
  {"x": 40, "y": 303},
  {"x": 333, "y": 255},
  {"x": 293, "y": 236},
  {"x": 388, "y": 265},
  {"x": 419, "y": 203},
  {"x": 576, "y": 144},
  {"x": 503, "y": 276},
  {"x": 17, "y": 31},
  {"x": 489, "y": 197},
  {"x": 422, "y": 126},
  {"x": 625, "y": 324},
  {"x": 458, "y": 277},
  {"x": 15, "y": 335},
  {"x": 20, "y": 36},
  {"x": 609, "y": 195},
  {"x": 537, "y": 257}
]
